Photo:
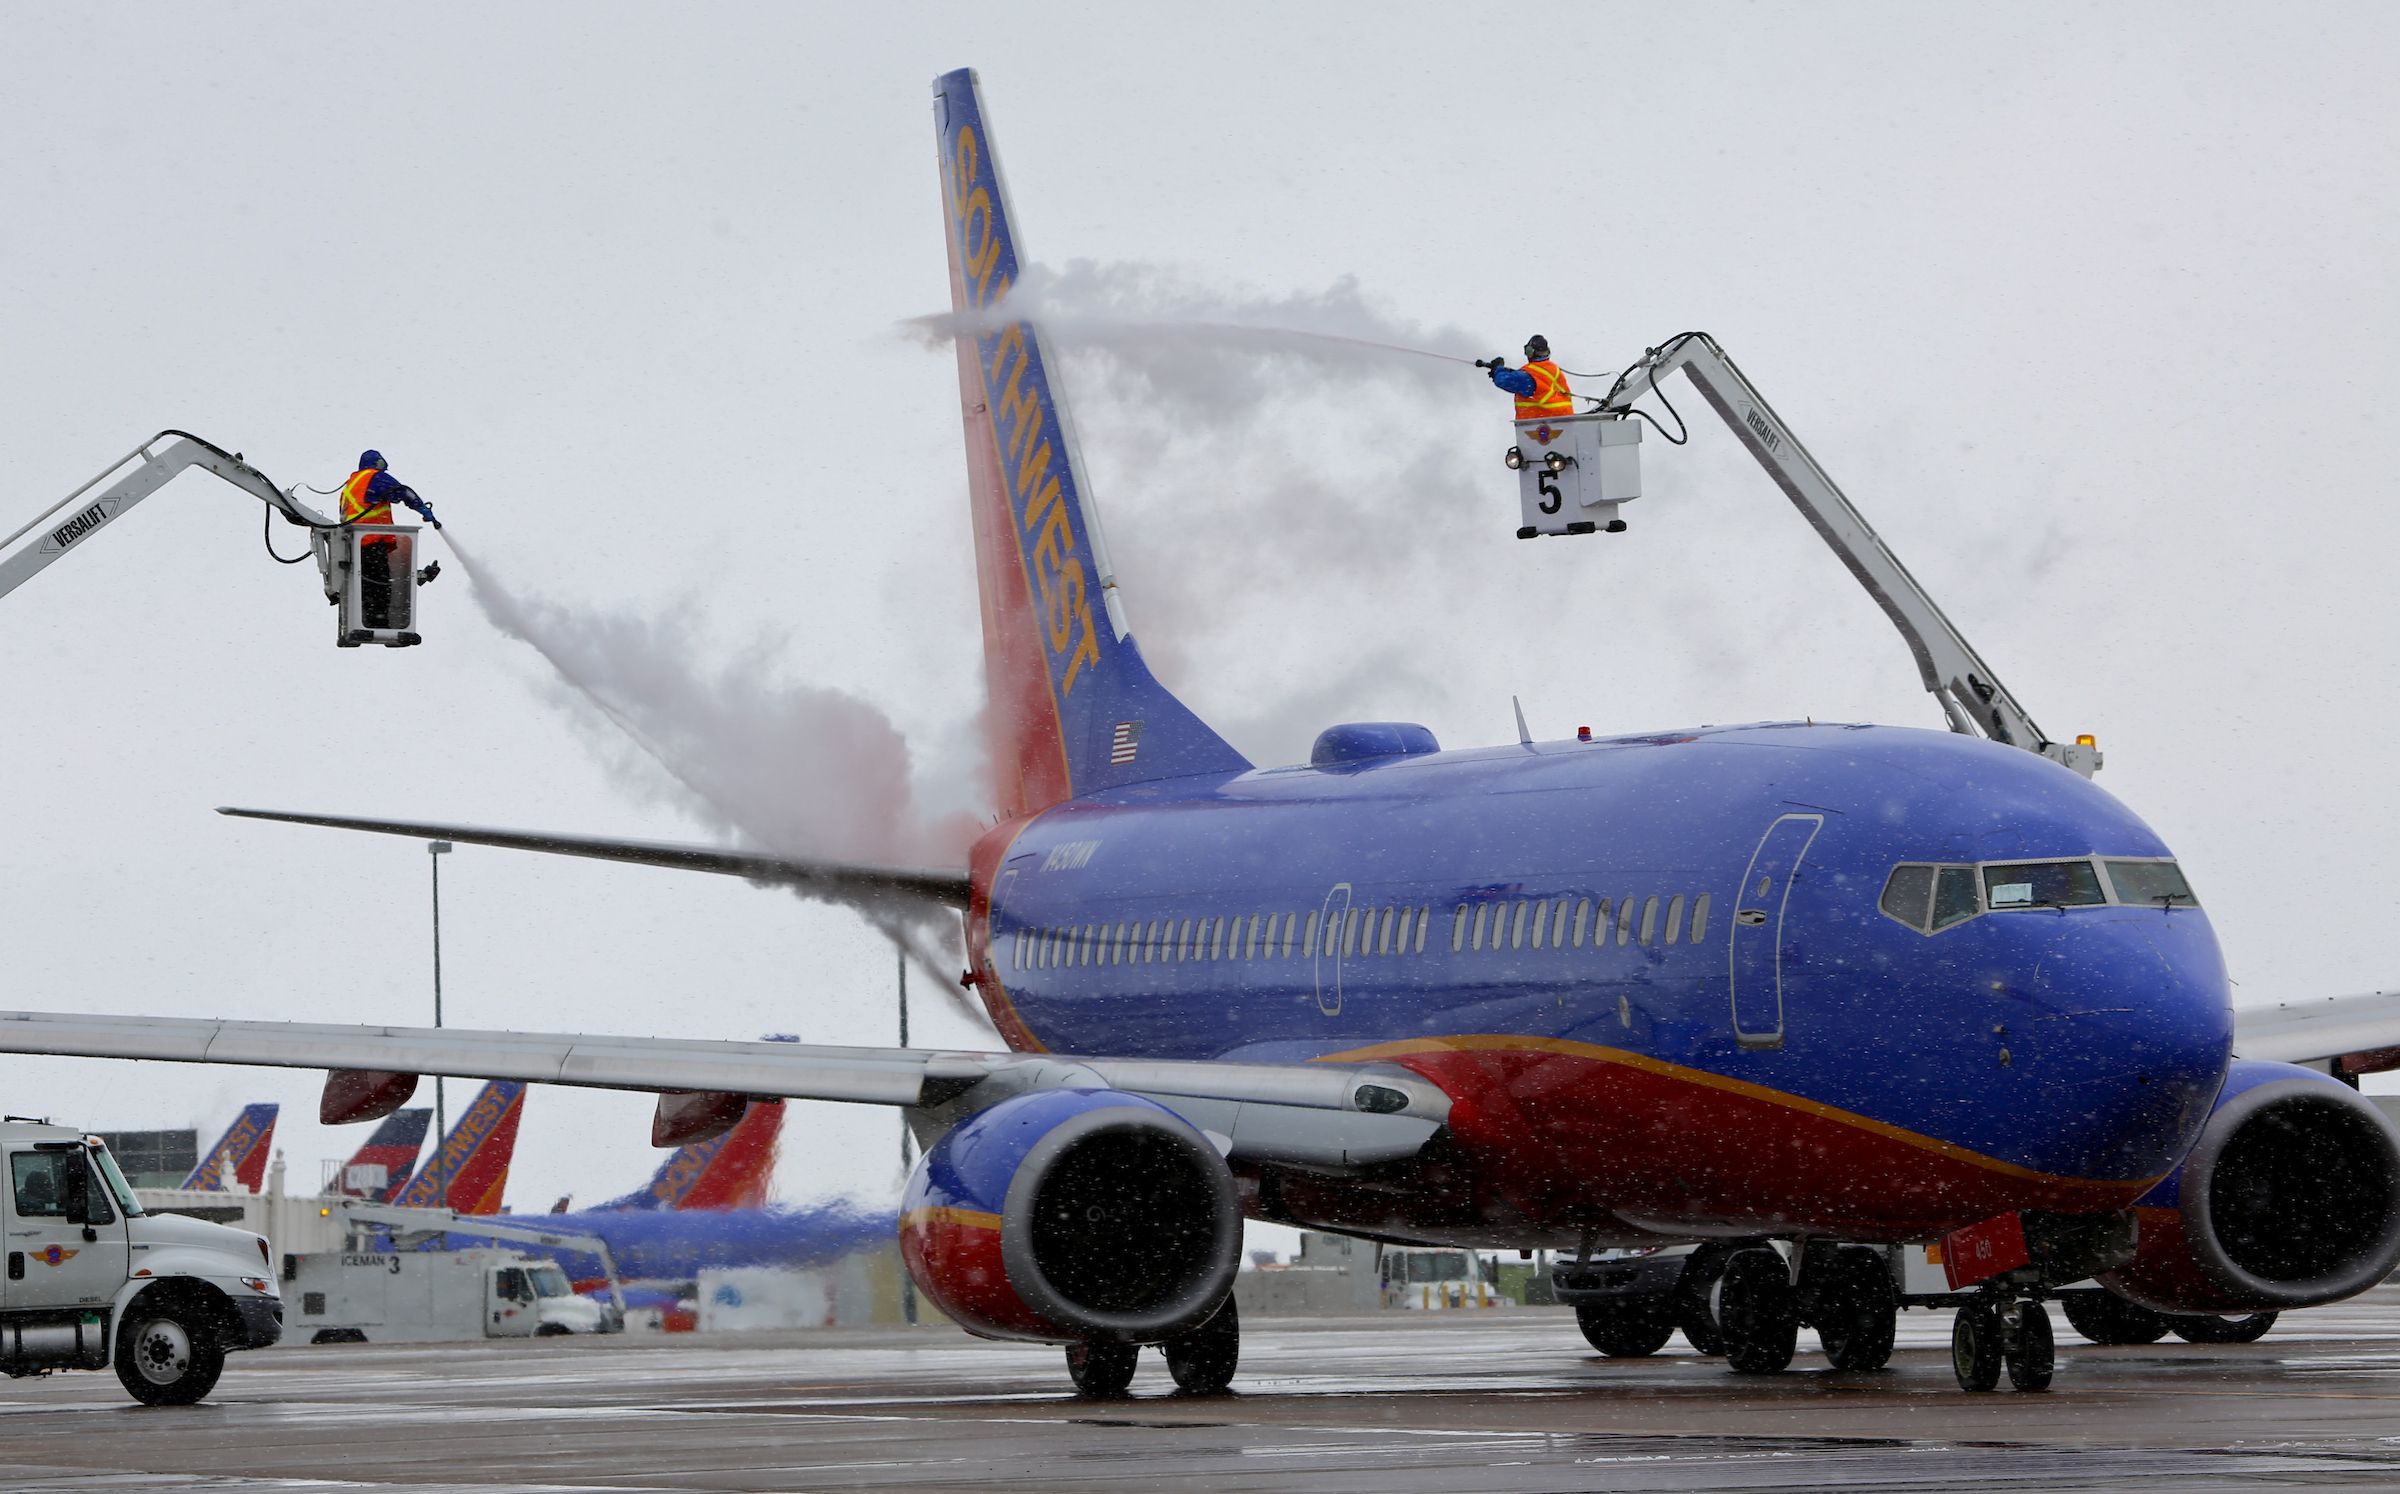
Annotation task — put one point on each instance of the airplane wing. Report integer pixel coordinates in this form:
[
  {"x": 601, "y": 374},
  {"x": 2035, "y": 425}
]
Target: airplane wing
[
  {"x": 2321, "y": 1028},
  {"x": 839, "y": 881},
  {"x": 1311, "y": 1114}
]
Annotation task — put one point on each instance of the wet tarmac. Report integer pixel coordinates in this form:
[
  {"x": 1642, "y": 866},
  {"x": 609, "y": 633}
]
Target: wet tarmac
[{"x": 1499, "y": 1400}]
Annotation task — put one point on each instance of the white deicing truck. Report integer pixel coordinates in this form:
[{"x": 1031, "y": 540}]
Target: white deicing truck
[
  {"x": 389, "y": 1296},
  {"x": 93, "y": 1281}
]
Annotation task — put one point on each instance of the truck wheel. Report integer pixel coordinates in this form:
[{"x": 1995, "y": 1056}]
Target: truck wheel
[
  {"x": 339, "y": 1336},
  {"x": 552, "y": 1330},
  {"x": 168, "y": 1354}
]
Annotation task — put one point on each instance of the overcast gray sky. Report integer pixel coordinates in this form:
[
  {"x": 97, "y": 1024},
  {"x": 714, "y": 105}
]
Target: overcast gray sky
[{"x": 2090, "y": 308}]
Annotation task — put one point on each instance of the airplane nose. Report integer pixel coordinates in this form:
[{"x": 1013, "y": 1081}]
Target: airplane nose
[{"x": 2122, "y": 1034}]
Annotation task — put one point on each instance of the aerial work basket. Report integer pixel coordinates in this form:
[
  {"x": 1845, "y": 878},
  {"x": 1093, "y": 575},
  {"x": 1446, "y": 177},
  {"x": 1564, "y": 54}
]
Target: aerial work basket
[{"x": 1573, "y": 472}]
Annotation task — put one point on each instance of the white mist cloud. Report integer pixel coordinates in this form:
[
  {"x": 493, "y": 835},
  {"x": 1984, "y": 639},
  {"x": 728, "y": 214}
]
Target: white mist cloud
[{"x": 800, "y": 770}]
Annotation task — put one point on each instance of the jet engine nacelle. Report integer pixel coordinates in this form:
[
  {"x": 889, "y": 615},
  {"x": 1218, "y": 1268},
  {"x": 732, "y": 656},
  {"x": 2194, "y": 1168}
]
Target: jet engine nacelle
[
  {"x": 2290, "y": 1198},
  {"x": 1070, "y": 1216}
]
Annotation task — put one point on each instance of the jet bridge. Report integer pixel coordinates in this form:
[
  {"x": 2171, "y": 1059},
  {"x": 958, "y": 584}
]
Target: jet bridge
[
  {"x": 368, "y": 571},
  {"x": 1574, "y": 471}
]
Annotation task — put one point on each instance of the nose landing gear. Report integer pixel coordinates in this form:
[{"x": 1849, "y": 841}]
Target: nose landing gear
[{"x": 1993, "y": 1332}]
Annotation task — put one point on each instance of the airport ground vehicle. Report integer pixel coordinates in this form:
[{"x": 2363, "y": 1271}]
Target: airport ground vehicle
[
  {"x": 433, "y": 1296},
  {"x": 93, "y": 1281}
]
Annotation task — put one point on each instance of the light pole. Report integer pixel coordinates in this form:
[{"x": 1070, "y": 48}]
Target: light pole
[
  {"x": 908, "y": 1288},
  {"x": 434, "y": 851}
]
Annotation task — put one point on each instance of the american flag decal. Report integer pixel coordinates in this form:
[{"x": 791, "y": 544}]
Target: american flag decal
[{"x": 1124, "y": 743}]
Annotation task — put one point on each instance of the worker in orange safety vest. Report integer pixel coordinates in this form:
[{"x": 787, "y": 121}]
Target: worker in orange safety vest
[
  {"x": 367, "y": 498},
  {"x": 1540, "y": 386}
]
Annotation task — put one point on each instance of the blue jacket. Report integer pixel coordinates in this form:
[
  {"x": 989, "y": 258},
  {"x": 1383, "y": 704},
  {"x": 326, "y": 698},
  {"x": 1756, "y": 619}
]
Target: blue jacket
[
  {"x": 1514, "y": 380},
  {"x": 385, "y": 488}
]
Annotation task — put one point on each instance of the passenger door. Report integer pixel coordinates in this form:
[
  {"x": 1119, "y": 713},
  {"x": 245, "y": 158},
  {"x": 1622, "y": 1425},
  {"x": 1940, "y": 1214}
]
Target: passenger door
[
  {"x": 65, "y": 1239},
  {"x": 1329, "y": 949},
  {"x": 1757, "y": 942}
]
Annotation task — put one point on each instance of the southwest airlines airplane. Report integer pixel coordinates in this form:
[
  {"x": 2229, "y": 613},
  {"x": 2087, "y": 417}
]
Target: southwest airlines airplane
[{"x": 1797, "y": 993}]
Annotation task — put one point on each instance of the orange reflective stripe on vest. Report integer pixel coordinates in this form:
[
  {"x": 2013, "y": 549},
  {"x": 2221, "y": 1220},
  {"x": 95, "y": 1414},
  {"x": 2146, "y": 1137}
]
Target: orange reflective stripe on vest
[
  {"x": 1550, "y": 396},
  {"x": 356, "y": 509}
]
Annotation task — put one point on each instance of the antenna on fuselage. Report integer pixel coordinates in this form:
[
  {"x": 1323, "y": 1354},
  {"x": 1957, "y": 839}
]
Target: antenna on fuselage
[{"x": 1524, "y": 737}]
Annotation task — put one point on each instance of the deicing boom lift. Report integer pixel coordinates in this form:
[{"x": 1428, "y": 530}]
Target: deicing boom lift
[
  {"x": 411, "y": 1227},
  {"x": 1971, "y": 695},
  {"x": 376, "y": 600}
]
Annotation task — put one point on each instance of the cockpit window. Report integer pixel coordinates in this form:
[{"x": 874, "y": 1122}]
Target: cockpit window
[
  {"x": 1906, "y": 894},
  {"x": 2156, "y": 884},
  {"x": 2042, "y": 884},
  {"x": 1954, "y": 897}
]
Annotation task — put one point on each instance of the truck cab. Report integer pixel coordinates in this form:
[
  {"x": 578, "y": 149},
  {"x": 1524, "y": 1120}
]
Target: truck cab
[{"x": 93, "y": 1281}]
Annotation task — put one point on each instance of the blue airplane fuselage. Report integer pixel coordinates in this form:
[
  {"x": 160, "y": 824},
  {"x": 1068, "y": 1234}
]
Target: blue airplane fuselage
[{"x": 1652, "y": 973}]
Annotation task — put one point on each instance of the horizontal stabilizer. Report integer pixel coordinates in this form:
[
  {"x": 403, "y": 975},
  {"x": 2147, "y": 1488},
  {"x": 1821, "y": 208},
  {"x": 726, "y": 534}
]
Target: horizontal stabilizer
[{"x": 838, "y": 881}]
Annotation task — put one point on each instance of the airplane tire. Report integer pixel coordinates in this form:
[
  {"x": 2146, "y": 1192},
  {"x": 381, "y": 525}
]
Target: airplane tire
[
  {"x": 1627, "y": 1327},
  {"x": 167, "y": 1354},
  {"x": 2032, "y": 1353},
  {"x": 1101, "y": 1369},
  {"x": 2216, "y": 1330},
  {"x": 1694, "y": 1313},
  {"x": 1975, "y": 1347},
  {"x": 2106, "y": 1318},
  {"x": 1203, "y": 1360},
  {"x": 1862, "y": 1315},
  {"x": 1756, "y": 1313}
]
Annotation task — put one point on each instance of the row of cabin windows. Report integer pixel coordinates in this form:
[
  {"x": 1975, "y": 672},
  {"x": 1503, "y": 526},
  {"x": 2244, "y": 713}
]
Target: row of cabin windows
[
  {"x": 1268, "y": 936},
  {"x": 1536, "y": 924},
  {"x": 1362, "y": 932}
]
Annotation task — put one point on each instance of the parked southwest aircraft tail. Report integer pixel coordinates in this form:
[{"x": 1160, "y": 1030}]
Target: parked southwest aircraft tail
[
  {"x": 731, "y": 1171},
  {"x": 469, "y": 1170},
  {"x": 240, "y": 1155},
  {"x": 1796, "y": 992},
  {"x": 380, "y": 1169}
]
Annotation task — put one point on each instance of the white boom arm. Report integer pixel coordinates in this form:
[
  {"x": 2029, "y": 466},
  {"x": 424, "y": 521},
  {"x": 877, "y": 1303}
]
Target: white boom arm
[
  {"x": 152, "y": 470},
  {"x": 1971, "y": 695},
  {"x": 408, "y": 1226}
]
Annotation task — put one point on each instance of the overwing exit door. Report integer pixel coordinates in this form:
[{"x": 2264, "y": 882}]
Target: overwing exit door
[
  {"x": 1329, "y": 949},
  {"x": 1757, "y": 942}
]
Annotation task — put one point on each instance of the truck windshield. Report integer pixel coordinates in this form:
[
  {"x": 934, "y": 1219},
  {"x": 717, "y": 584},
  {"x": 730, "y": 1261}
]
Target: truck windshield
[
  {"x": 118, "y": 1188},
  {"x": 549, "y": 1281},
  {"x": 2042, "y": 884},
  {"x": 1433, "y": 1266}
]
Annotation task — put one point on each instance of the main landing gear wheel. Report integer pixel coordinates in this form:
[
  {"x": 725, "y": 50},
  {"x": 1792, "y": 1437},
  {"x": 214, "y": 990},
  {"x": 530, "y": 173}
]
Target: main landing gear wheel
[
  {"x": 1102, "y": 1369},
  {"x": 1975, "y": 1346},
  {"x": 1756, "y": 1313},
  {"x": 167, "y": 1355},
  {"x": 2032, "y": 1355},
  {"x": 2106, "y": 1318},
  {"x": 1627, "y": 1327},
  {"x": 1860, "y": 1315},
  {"x": 1694, "y": 1295},
  {"x": 2216, "y": 1330},
  {"x": 1203, "y": 1360}
]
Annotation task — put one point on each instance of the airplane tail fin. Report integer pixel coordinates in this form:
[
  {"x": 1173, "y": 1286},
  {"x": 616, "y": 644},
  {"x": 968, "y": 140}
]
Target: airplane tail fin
[
  {"x": 1073, "y": 707},
  {"x": 380, "y": 1169},
  {"x": 474, "y": 1157},
  {"x": 240, "y": 1155},
  {"x": 730, "y": 1171}
]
